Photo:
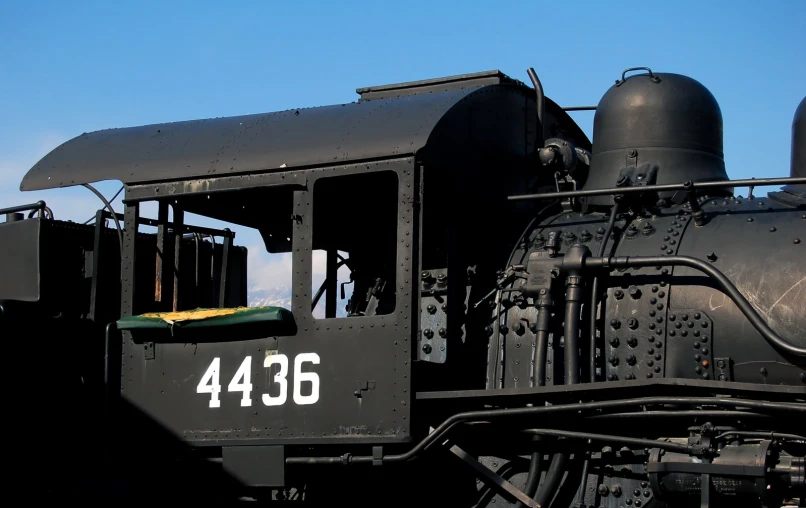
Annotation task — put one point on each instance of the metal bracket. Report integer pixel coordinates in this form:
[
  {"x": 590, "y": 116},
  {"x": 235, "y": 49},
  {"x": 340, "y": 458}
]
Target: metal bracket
[
  {"x": 363, "y": 386},
  {"x": 433, "y": 335},
  {"x": 148, "y": 347},
  {"x": 637, "y": 176},
  {"x": 377, "y": 455},
  {"x": 723, "y": 370}
]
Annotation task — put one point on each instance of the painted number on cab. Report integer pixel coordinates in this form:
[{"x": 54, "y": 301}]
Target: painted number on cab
[{"x": 242, "y": 381}]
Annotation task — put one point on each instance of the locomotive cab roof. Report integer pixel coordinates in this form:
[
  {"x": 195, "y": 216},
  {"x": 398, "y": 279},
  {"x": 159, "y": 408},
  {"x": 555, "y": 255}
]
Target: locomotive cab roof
[{"x": 389, "y": 121}]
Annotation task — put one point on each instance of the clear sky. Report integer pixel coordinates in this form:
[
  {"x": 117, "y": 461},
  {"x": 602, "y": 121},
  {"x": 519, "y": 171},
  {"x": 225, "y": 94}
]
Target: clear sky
[{"x": 73, "y": 67}]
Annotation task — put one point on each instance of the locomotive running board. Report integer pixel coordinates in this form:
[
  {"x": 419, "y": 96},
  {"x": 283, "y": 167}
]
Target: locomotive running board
[{"x": 617, "y": 389}]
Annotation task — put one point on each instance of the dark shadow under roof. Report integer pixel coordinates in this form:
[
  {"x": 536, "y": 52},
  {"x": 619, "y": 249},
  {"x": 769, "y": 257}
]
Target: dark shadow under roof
[{"x": 367, "y": 130}]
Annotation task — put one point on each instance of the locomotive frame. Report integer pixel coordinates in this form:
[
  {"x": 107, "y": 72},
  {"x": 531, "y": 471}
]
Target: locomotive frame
[{"x": 464, "y": 356}]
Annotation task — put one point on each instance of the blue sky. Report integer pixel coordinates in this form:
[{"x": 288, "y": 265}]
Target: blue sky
[{"x": 68, "y": 68}]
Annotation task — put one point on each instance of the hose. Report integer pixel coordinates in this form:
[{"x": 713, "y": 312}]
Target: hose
[{"x": 721, "y": 280}]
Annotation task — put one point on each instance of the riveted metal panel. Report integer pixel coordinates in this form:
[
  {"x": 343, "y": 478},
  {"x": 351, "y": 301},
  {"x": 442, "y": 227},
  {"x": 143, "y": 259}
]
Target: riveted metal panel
[
  {"x": 636, "y": 309},
  {"x": 760, "y": 246},
  {"x": 364, "y": 362}
]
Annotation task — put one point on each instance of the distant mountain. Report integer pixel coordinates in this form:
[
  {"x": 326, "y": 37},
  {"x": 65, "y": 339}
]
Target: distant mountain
[
  {"x": 269, "y": 297},
  {"x": 280, "y": 296}
]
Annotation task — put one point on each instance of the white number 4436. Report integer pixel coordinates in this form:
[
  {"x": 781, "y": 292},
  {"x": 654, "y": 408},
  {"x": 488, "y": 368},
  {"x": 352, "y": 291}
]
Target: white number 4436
[{"x": 242, "y": 380}]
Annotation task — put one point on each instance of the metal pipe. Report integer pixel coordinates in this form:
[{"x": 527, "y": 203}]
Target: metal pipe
[
  {"x": 542, "y": 339},
  {"x": 720, "y": 278},
  {"x": 111, "y": 211},
  {"x": 634, "y": 441},
  {"x": 573, "y": 310},
  {"x": 552, "y": 479},
  {"x": 483, "y": 415},
  {"x": 39, "y": 205},
  {"x": 540, "y": 105},
  {"x": 661, "y": 188}
]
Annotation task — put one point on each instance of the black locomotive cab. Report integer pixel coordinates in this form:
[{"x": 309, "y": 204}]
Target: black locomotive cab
[{"x": 552, "y": 322}]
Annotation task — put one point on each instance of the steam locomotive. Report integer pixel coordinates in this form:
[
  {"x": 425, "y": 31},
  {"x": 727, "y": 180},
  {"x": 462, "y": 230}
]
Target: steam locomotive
[{"x": 535, "y": 319}]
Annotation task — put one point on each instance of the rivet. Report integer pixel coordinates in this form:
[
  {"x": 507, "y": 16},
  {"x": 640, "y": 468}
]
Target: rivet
[
  {"x": 749, "y": 219},
  {"x": 652, "y": 313},
  {"x": 796, "y": 241},
  {"x": 657, "y": 368},
  {"x": 773, "y": 229}
]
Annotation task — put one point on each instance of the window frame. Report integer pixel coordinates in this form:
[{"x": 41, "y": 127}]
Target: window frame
[{"x": 406, "y": 254}]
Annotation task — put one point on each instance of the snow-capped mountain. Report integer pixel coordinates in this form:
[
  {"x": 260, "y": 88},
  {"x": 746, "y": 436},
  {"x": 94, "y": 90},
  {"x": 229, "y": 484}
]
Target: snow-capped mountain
[
  {"x": 269, "y": 297},
  {"x": 280, "y": 296}
]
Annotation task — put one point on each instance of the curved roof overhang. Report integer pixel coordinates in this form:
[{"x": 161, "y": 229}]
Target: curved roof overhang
[{"x": 396, "y": 125}]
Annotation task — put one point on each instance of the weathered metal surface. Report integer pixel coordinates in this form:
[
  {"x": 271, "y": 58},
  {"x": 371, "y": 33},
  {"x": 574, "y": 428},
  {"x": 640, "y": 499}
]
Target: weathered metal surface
[
  {"x": 668, "y": 120},
  {"x": 333, "y": 350},
  {"x": 19, "y": 265},
  {"x": 249, "y": 143}
]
